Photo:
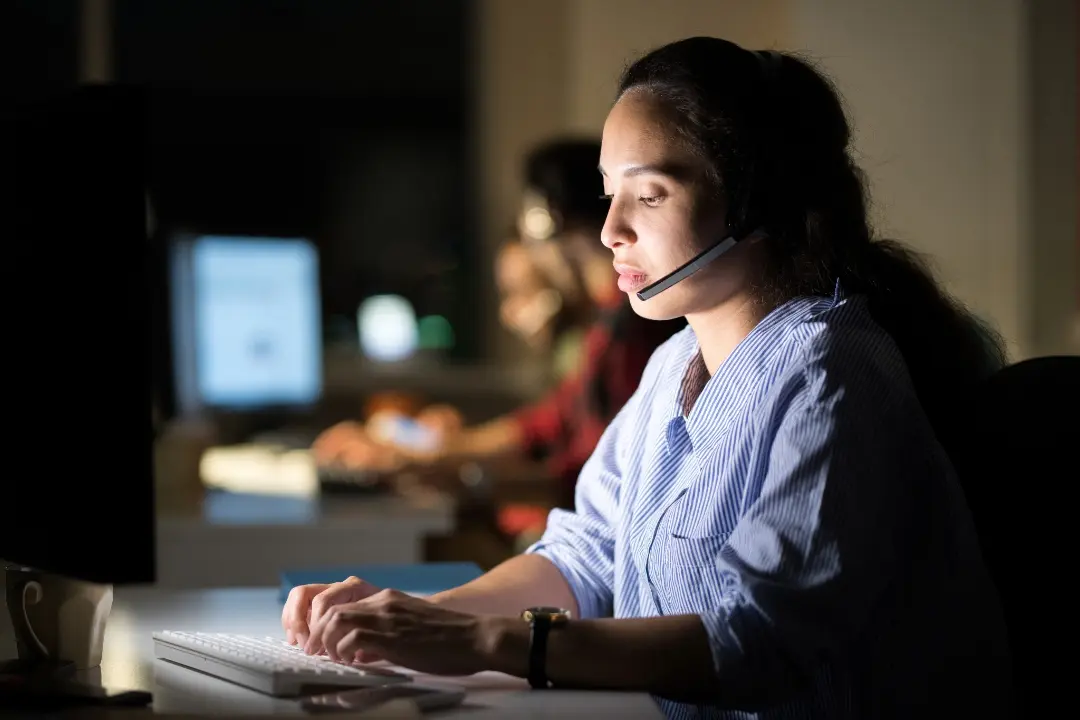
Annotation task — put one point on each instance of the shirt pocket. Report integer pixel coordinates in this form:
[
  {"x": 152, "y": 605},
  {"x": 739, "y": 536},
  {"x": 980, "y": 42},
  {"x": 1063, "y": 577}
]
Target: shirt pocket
[
  {"x": 692, "y": 578},
  {"x": 690, "y": 545},
  {"x": 704, "y": 517}
]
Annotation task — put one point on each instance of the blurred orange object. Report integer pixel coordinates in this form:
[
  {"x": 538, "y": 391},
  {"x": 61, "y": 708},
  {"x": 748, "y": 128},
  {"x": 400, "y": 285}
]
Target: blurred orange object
[
  {"x": 443, "y": 419},
  {"x": 395, "y": 402},
  {"x": 514, "y": 520}
]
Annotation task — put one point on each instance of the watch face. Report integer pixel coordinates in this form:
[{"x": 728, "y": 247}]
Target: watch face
[{"x": 553, "y": 614}]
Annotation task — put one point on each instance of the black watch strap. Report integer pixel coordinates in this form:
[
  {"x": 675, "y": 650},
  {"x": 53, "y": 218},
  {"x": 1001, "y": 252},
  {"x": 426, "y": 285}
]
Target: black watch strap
[{"x": 538, "y": 639}]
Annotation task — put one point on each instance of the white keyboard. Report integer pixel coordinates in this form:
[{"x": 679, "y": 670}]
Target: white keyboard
[{"x": 268, "y": 665}]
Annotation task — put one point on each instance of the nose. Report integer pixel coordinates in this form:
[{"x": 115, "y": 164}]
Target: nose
[{"x": 617, "y": 231}]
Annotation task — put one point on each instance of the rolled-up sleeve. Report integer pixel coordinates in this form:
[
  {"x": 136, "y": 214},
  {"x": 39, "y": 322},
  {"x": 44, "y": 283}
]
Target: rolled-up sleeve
[
  {"x": 581, "y": 544},
  {"x": 803, "y": 567}
]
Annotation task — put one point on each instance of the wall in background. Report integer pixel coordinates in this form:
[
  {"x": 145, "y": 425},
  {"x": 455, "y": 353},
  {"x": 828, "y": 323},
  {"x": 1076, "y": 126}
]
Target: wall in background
[
  {"x": 937, "y": 92},
  {"x": 607, "y": 35},
  {"x": 1053, "y": 319}
]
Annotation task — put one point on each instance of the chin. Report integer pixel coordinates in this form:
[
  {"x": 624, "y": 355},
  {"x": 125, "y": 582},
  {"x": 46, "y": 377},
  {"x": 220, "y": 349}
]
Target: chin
[{"x": 658, "y": 308}]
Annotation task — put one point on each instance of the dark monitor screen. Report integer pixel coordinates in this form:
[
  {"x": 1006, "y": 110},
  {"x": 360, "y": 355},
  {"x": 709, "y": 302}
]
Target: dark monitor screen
[{"x": 77, "y": 496}]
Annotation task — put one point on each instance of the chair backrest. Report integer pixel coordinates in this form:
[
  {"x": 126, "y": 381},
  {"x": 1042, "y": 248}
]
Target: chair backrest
[{"x": 1016, "y": 450}]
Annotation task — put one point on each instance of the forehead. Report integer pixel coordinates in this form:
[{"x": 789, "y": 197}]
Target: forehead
[{"x": 639, "y": 131}]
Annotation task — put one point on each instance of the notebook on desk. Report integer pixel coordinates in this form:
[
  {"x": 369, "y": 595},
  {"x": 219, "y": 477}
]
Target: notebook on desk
[{"x": 419, "y": 579}]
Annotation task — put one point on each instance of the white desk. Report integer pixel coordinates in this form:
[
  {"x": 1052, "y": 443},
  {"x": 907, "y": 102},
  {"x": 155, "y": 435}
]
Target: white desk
[
  {"x": 239, "y": 540},
  {"x": 129, "y": 663}
]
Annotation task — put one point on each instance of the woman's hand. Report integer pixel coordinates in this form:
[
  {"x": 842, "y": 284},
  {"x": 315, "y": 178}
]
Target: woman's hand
[
  {"x": 406, "y": 631},
  {"x": 307, "y": 604},
  {"x": 444, "y": 420},
  {"x": 333, "y": 440},
  {"x": 349, "y": 445}
]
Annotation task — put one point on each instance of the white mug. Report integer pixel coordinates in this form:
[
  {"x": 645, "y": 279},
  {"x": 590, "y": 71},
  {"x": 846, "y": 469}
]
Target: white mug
[{"x": 48, "y": 617}]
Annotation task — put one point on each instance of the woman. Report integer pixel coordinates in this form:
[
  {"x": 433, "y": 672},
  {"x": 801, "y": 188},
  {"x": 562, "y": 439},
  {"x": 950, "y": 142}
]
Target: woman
[{"x": 770, "y": 520}]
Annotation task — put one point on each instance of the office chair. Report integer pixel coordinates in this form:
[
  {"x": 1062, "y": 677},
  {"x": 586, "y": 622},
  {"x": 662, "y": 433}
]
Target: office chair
[{"x": 1016, "y": 450}]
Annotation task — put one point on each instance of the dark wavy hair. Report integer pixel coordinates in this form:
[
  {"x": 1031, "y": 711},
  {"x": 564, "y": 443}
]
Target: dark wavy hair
[{"x": 773, "y": 133}]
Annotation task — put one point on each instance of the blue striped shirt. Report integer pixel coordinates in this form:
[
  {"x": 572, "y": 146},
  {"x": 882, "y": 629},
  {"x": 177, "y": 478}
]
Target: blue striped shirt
[{"x": 804, "y": 510}]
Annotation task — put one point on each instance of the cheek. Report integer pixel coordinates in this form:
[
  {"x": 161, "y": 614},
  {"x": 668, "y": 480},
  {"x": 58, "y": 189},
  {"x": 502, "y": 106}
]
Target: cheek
[{"x": 675, "y": 241}]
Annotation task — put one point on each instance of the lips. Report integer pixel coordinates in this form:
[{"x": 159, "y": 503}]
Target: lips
[{"x": 631, "y": 279}]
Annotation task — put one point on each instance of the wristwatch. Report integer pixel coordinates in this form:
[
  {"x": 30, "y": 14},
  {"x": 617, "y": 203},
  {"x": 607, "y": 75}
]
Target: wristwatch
[{"x": 542, "y": 620}]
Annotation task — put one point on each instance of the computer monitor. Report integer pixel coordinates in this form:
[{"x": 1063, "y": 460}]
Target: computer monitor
[
  {"x": 162, "y": 376},
  {"x": 247, "y": 323},
  {"x": 77, "y": 495}
]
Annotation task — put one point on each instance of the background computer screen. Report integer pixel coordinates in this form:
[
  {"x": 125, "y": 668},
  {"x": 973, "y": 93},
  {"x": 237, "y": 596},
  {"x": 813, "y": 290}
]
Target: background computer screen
[{"x": 247, "y": 323}]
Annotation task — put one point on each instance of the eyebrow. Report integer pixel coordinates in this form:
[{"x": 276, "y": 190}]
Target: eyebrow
[{"x": 675, "y": 171}]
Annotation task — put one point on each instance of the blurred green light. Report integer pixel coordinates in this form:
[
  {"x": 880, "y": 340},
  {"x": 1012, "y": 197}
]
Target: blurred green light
[{"x": 435, "y": 333}]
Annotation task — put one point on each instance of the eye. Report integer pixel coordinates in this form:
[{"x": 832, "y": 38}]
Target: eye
[
  {"x": 606, "y": 198},
  {"x": 651, "y": 201}
]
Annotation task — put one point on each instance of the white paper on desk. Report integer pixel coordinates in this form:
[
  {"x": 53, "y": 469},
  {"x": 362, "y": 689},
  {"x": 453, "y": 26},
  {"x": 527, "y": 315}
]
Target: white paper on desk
[{"x": 259, "y": 469}]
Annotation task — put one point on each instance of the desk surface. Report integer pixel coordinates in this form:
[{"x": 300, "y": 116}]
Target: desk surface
[
  {"x": 242, "y": 540},
  {"x": 128, "y": 662},
  {"x": 426, "y": 511}
]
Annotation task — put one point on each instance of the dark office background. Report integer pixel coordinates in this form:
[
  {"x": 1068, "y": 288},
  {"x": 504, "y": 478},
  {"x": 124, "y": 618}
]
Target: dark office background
[
  {"x": 350, "y": 121},
  {"x": 346, "y": 122}
]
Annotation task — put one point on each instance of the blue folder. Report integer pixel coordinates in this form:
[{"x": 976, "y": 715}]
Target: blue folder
[{"x": 421, "y": 578}]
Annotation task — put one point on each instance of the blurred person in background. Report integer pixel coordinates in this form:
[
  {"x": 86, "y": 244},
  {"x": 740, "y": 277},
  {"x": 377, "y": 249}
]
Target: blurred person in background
[
  {"x": 550, "y": 318},
  {"x": 547, "y": 319},
  {"x": 561, "y": 217}
]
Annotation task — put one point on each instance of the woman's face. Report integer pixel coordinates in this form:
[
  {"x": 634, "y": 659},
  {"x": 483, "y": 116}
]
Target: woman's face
[
  {"x": 662, "y": 213},
  {"x": 528, "y": 303},
  {"x": 516, "y": 273}
]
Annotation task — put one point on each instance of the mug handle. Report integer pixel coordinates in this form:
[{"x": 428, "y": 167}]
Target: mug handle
[{"x": 38, "y": 592}]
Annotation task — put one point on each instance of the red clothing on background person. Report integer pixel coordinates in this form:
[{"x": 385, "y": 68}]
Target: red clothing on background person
[{"x": 564, "y": 428}]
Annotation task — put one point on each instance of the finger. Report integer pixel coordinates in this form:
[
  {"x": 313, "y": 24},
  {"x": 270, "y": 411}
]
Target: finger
[
  {"x": 333, "y": 598},
  {"x": 337, "y": 627},
  {"x": 366, "y": 657},
  {"x": 298, "y": 608},
  {"x": 333, "y": 595},
  {"x": 328, "y": 632},
  {"x": 313, "y": 644},
  {"x": 286, "y": 612},
  {"x": 294, "y": 616},
  {"x": 358, "y": 643}
]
